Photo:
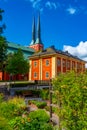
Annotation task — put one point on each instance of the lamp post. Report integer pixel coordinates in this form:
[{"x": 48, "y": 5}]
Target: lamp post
[{"x": 50, "y": 93}]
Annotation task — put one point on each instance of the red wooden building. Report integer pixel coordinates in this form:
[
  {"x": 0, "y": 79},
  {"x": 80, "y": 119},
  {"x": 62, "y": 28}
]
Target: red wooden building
[{"x": 50, "y": 62}]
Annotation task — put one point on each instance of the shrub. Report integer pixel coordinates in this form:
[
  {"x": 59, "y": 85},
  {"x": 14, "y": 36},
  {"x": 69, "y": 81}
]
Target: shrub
[
  {"x": 44, "y": 94},
  {"x": 1, "y": 97},
  {"x": 33, "y": 121},
  {"x": 13, "y": 107},
  {"x": 39, "y": 104},
  {"x": 40, "y": 120},
  {"x": 20, "y": 123},
  {"x": 70, "y": 90},
  {"x": 4, "y": 124},
  {"x": 38, "y": 115}
]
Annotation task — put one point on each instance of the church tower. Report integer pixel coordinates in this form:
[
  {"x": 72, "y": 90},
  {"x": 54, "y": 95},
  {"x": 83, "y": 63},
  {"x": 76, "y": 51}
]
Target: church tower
[
  {"x": 33, "y": 32},
  {"x": 37, "y": 45}
]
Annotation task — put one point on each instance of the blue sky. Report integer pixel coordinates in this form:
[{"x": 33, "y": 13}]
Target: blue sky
[{"x": 63, "y": 23}]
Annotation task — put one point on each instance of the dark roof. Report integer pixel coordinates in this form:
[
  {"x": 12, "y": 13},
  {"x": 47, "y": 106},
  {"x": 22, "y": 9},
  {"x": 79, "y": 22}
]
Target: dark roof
[{"x": 52, "y": 50}]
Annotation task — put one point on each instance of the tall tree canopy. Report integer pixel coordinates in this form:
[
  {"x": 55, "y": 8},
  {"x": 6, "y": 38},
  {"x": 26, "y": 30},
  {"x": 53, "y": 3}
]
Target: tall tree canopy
[
  {"x": 3, "y": 45},
  {"x": 3, "y": 26},
  {"x": 17, "y": 64}
]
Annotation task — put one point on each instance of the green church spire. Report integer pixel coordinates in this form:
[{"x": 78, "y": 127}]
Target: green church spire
[
  {"x": 38, "y": 40},
  {"x": 33, "y": 32}
]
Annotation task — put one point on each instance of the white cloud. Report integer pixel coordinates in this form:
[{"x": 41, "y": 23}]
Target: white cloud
[
  {"x": 51, "y": 5},
  {"x": 35, "y": 3},
  {"x": 71, "y": 10},
  {"x": 80, "y": 50}
]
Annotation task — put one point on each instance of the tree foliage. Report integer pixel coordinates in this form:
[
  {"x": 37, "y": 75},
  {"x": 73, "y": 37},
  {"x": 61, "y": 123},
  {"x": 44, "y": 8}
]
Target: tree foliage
[
  {"x": 71, "y": 95},
  {"x": 3, "y": 26},
  {"x": 3, "y": 49},
  {"x": 3, "y": 45},
  {"x": 17, "y": 64}
]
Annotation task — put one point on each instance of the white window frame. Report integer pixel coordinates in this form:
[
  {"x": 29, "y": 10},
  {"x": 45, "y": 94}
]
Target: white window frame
[
  {"x": 35, "y": 63},
  {"x": 64, "y": 63},
  {"x": 47, "y": 75},
  {"x": 35, "y": 74},
  {"x": 58, "y": 62},
  {"x": 47, "y": 62},
  {"x": 68, "y": 64}
]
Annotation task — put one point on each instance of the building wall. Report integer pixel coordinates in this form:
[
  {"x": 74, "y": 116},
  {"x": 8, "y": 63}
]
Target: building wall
[
  {"x": 50, "y": 67},
  {"x": 0, "y": 75},
  {"x": 35, "y": 69},
  {"x": 46, "y": 68}
]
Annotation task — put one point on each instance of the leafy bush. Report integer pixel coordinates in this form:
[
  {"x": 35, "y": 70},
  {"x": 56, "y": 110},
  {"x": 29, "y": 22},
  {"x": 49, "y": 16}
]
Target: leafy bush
[
  {"x": 13, "y": 116},
  {"x": 44, "y": 94},
  {"x": 71, "y": 96},
  {"x": 1, "y": 97},
  {"x": 20, "y": 123},
  {"x": 13, "y": 107},
  {"x": 18, "y": 101},
  {"x": 40, "y": 120},
  {"x": 34, "y": 121},
  {"x": 38, "y": 115},
  {"x": 4, "y": 124},
  {"x": 39, "y": 104},
  {"x": 47, "y": 108}
]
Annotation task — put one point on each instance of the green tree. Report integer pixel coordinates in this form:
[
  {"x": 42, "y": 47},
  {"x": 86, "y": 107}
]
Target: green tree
[
  {"x": 3, "y": 45},
  {"x": 17, "y": 64},
  {"x": 71, "y": 95}
]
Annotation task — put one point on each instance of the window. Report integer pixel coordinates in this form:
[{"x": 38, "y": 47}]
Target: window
[
  {"x": 83, "y": 66},
  {"x": 58, "y": 62},
  {"x": 68, "y": 64},
  {"x": 35, "y": 75},
  {"x": 73, "y": 65},
  {"x": 35, "y": 63},
  {"x": 78, "y": 66},
  {"x": 47, "y": 74},
  {"x": 47, "y": 62},
  {"x": 64, "y": 63}
]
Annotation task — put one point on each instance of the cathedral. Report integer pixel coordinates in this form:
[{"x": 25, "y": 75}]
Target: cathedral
[{"x": 50, "y": 62}]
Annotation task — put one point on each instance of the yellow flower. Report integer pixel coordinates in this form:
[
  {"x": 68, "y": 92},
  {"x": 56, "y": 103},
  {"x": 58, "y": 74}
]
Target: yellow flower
[
  {"x": 28, "y": 119},
  {"x": 22, "y": 121}
]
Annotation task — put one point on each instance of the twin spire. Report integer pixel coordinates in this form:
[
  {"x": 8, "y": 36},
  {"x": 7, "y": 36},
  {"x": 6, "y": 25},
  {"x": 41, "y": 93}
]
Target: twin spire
[{"x": 34, "y": 39}]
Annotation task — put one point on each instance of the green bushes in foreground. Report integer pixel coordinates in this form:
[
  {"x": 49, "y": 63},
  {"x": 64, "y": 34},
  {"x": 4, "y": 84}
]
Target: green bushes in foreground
[
  {"x": 39, "y": 104},
  {"x": 37, "y": 120},
  {"x": 14, "y": 115},
  {"x": 4, "y": 124}
]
